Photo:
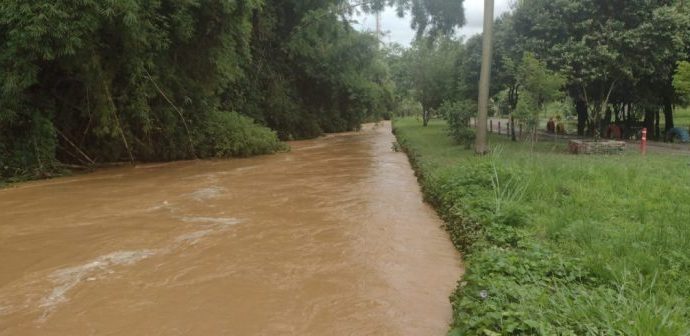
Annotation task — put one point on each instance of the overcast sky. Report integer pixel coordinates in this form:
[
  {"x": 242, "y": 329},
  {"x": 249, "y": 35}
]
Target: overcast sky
[{"x": 398, "y": 29}]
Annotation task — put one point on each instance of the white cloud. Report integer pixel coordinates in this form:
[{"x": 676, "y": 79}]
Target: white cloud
[{"x": 398, "y": 29}]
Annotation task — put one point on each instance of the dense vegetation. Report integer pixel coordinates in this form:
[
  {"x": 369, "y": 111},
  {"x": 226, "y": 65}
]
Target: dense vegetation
[
  {"x": 550, "y": 255},
  {"x": 96, "y": 81},
  {"x": 611, "y": 62}
]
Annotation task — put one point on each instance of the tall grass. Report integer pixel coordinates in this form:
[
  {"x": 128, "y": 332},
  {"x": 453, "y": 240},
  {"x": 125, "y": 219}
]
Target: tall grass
[{"x": 558, "y": 244}]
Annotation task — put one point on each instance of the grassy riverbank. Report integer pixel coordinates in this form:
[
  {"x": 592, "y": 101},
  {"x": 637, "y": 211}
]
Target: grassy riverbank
[{"x": 557, "y": 244}]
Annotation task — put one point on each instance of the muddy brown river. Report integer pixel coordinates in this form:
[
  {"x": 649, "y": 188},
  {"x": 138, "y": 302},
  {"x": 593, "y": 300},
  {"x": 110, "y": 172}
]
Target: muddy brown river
[{"x": 331, "y": 238}]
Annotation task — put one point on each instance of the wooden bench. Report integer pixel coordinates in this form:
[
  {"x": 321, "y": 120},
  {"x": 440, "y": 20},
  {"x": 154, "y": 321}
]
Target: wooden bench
[{"x": 596, "y": 147}]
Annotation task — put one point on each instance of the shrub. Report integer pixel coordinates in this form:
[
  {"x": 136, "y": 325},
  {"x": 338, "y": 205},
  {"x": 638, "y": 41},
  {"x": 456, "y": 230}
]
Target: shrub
[
  {"x": 458, "y": 115},
  {"x": 231, "y": 134}
]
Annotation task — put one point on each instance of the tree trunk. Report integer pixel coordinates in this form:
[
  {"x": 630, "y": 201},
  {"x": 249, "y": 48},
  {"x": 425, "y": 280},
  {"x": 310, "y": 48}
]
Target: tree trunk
[
  {"x": 606, "y": 122},
  {"x": 513, "y": 96},
  {"x": 481, "y": 145},
  {"x": 657, "y": 130},
  {"x": 649, "y": 119},
  {"x": 668, "y": 115},
  {"x": 581, "y": 108}
]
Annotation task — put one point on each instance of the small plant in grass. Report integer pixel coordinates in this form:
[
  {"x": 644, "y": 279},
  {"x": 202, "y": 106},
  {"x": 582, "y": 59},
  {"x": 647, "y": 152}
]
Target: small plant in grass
[{"x": 458, "y": 115}]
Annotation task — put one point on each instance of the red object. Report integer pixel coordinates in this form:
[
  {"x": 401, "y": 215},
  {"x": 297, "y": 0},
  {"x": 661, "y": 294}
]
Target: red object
[
  {"x": 614, "y": 132},
  {"x": 643, "y": 143},
  {"x": 551, "y": 126}
]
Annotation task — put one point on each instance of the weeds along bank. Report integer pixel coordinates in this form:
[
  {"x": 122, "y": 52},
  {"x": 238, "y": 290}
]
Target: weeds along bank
[{"x": 558, "y": 244}]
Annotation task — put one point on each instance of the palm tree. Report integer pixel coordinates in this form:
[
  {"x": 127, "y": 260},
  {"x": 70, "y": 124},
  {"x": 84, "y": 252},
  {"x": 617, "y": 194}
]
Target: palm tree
[{"x": 480, "y": 143}]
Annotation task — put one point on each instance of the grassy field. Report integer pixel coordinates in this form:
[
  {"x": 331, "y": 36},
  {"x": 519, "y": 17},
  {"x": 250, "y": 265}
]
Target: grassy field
[{"x": 557, "y": 244}]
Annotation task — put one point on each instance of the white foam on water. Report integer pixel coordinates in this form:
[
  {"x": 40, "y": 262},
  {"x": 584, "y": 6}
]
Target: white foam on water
[
  {"x": 216, "y": 224},
  {"x": 223, "y": 221},
  {"x": 193, "y": 237},
  {"x": 165, "y": 205},
  {"x": 67, "y": 278},
  {"x": 207, "y": 193}
]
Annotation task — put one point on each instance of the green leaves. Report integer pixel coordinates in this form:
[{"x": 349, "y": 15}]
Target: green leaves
[
  {"x": 430, "y": 18},
  {"x": 430, "y": 65},
  {"x": 544, "y": 85},
  {"x": 681, "y": 80},
  {"x": 458, "y": 115}
]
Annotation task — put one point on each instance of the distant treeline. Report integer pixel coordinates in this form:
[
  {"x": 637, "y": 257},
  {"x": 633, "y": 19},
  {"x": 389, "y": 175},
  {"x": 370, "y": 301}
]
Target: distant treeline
[
  {"x": 612, "y": 61},
  {"x": 99, "y": 81}
]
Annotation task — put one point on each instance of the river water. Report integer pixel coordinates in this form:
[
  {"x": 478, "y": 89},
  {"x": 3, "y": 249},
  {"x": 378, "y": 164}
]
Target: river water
[{"x": 331, "y": 238}]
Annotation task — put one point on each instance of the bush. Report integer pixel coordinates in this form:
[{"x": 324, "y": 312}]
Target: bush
[
  {"x": 230, "y": 134},
  {"x": 458, "y": 115},
  {"x": 409, "y": 108}
]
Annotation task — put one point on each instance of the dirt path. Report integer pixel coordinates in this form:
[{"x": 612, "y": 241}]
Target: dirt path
[
  {"x": 330, "y": 239},
  {"x": 652, "y": 146}
]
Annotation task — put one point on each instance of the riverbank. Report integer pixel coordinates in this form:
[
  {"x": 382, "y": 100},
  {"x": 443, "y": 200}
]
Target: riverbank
[
  {"x": 560, "y": 244},
  {"x": 331, "y": 238},
  {"x": 247, "y": 147}
]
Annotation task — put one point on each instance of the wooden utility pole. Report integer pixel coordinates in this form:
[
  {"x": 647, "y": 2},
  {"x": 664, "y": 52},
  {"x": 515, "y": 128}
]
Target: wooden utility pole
[
  {"x": 378, "y": 28},
  {"x": 480, "y": 144}
]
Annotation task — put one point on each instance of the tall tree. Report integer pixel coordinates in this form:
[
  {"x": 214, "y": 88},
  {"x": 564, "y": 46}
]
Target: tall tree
[{"x": 432, "y": 78}]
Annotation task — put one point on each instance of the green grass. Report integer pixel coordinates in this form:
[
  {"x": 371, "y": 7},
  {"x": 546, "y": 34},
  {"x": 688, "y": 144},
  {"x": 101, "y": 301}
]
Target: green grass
[{"x": 557, "y": 244}]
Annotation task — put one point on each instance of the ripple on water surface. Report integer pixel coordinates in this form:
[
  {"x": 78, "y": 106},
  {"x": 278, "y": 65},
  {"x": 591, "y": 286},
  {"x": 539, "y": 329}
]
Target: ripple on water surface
[{"x": 67, "y": 278}]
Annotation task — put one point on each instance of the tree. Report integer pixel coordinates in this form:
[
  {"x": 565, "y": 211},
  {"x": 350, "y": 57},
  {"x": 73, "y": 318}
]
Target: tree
[
  {"x": 507, "y": 56},
  {"x": 538, "y": 85},
  {"x": 432, "y": 82}
]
